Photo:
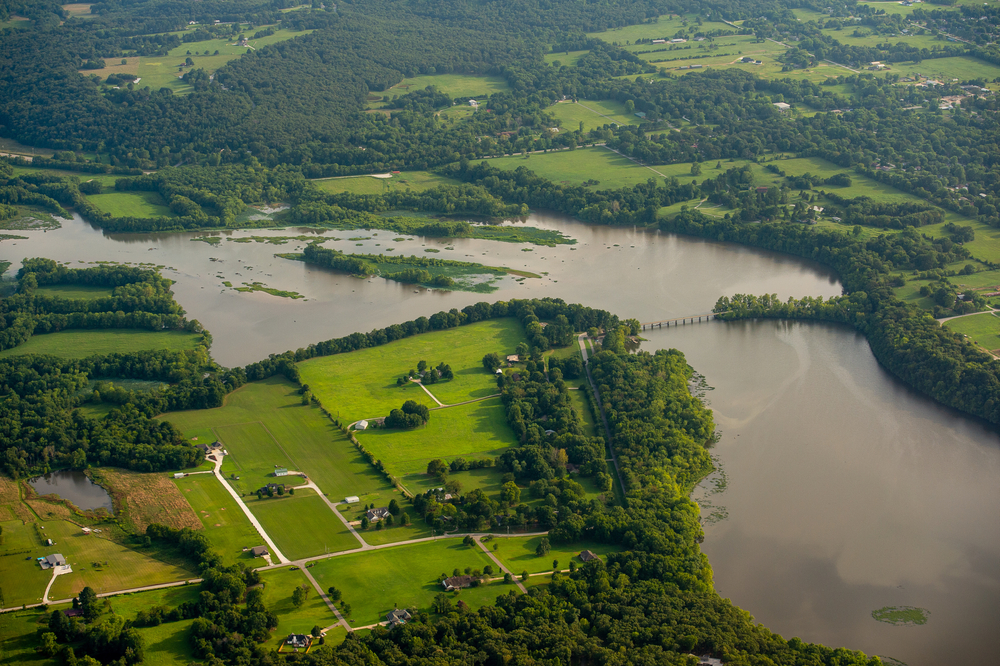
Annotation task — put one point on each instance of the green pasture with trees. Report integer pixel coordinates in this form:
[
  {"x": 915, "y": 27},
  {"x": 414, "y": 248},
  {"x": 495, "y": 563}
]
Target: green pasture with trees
[
  {"x": 279, "y": 597},
  {"x": 224, "y": 523},
  {"x": 302, "y": 525},
  {"x": 533, "y": 555}
]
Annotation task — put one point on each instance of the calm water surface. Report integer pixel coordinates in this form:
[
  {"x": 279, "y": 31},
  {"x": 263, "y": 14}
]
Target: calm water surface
[
  {"x": 846, "y": 492},
  {"x": 75, "y": 486}
]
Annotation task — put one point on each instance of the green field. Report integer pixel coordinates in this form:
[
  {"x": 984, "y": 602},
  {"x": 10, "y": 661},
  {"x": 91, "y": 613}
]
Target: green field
[
  {"x": 518, "y": 553},
  {"x": 592, "y": 114},
  {"x": 264, "y": 424},
  {"x": 575, "y": 167},
  {"x": 946, "y": 69},
  {"x": 83, "y": 343},
  {"x": 565, "y": 58},
  {"x": 373, "y": 583},
  {"x": 21, "y": 579},
  {"x": 984, "y": 329},
  {"x": 106, "y": 180},
  {"x": 302, "y": 525},
  {"x": 74, "y": 291},
  {"x": 169, "y": 643},
  {"x": 132, "y": 204},
  {"x": 471, "y": 431},
  {"x": 278, "y": 587},
  {"x": 453, "y": 85},
  {"x": 19, "y": 632},
  {"x": 362, "y": 384},
  {"x": 163, "y": 71},
  {"x": 418, "y": 181},
  {"x": 665, "y": 27},
  {"x": 226, "y": 526}
]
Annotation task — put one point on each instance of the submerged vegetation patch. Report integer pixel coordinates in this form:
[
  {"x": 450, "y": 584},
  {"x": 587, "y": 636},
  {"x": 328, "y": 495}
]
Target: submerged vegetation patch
[
  {"x": 250, "y": 287},
  {"x": 901, "y": 615}
]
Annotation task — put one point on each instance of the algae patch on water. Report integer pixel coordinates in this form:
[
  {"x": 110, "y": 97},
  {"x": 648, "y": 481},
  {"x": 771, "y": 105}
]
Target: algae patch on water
[{"x": 901, "y": 615}]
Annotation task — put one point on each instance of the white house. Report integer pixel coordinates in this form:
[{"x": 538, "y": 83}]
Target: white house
[
  {"x": 473, "y": 103},
  {"x": 781, "y": 106},
  {"x": 361, "y": 425}
]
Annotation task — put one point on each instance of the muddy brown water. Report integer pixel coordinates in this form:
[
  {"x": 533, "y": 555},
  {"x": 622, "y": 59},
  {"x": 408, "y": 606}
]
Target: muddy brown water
[
  {"x": 845, "y": 492},
  {"x": 74, "y": 486}
]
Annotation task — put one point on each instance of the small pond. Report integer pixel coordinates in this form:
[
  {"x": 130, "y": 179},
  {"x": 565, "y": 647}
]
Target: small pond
[{"x": 74, "y": 486}]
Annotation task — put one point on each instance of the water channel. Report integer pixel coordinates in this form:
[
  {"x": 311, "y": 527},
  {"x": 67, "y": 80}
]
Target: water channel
[
  {"x": 846, "y": 492},
  {"x": 74, "y": 486}
]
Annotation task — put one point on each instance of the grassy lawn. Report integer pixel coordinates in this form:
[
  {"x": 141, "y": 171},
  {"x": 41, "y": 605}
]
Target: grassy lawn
[
  {"x": 83, "y": 343},
  {"x": 418, "y": 181},
  {"x": 472, "y": 431},
  {"x": 105, "y": 565},
  {"x": 21, "y": 579},
  {"x": 575, "y": 167},
  {"x": 518, "y": 553},
  {"x": 264, "y": 424},
  {"x": 362, "y": 384},
  {"x": 405, "y": 577},
  {"x": 278, "y": 587},
  {"x": 567, "y": 58},
  {"x": 166, "y": 644},
  {"x": 665, "y": 27},
  {"x": 19, "y": 635},
  {"x": 984, "y": 329},
  {"x": 302, "y": 525},
  {"x": 579, "y": 400},
  {"x": 162, "y": 71},
  {"x": 591, "y": 113},
  {"x": 225, "y": 525},
  {"x": 135, "y": 204},
  {"x": 946, "y": 69},
  {"x": 82, "y": 292},
  {"x": 453, "y": 85}
]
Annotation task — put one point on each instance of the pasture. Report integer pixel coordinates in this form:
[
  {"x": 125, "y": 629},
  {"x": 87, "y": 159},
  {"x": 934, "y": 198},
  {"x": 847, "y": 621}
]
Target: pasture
[
  {"x": 279, "y": 584},
  {"x": 84, "y": 343},
  {"x": 418, "y": 181},
  {"x": 453, "y": 85},
  {"x": 518, "y": 553},
  {"x": 264, "y": 424},
  {"x": 19, "y": 631},
  {"x": 592, "y": 114},
  {"x": 223, "y": 522},
  {"x": 167, "y": 644},
  {"x": 77, "y": 292},
  {"x": 946, "y": 69},
  {"x": 302, "y": 525},
  {"x": 575, "y": 167},
  {"x": 983, "y": 329},
  {"x": 663, "y": 27},
  {"x": 134, "y": 204},
  {"x": 564, "y": 58},
  {"x": 375, "y": 582},
  {"x": 362, "y": 384},
  {"x": 22, "y": 581}
]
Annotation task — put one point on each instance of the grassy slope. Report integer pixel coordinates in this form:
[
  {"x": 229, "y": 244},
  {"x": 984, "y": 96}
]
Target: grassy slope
[
  {"x": 23, "y": 581},
  {"x": 83, "y": 343},
  {"x": 226, "y": 526},
  {"x": 302, "y": 525},
  {"x": 135, "y": 204},
  {"x": 407, "y": 577}
]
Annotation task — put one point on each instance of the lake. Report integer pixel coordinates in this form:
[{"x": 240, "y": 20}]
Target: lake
[
  {"x": 845, "y": 492},
  {"x": 74, "y": 486}
]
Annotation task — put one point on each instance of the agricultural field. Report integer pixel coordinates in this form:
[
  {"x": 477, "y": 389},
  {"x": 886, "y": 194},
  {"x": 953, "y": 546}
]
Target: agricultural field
[
  {"x": 84, "y": 343},
  {"x": 453, "y": 85},
  {"x": 22, "y": 581},
  {"x": 575, "y": 167},
  {"x": 132, "y": 204},
  {"x": 375, "y": 582},
  {"x": 224, "y": 523},
  {"x": 302, "y": 525},
  {"x": 946, "y": 69},
  {"x": 264, "y": 424},
  {"x": 143, "y": 499},
  {"x": 81, "y": 292},
  {"x": 164, "y": 71},
  {"x": 592, "y": 113},
  {"x": 278, "y": 587},
  {"x": 362, "y": 384},
  {"x": 472, "y": 431},
  {"x": 983, "y": 329},
  {"x": 518, "y": 553},
  {"x": 418, "y": 181}
]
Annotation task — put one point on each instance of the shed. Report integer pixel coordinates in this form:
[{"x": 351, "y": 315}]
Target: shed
[
  {"x": 473, "y": 103},
  {"x": 87, "y": 530},
  {"x": 48, "y": 542},
  {"x": 587, "y": 556},
  {"x": 361, "y": 425},
  {"x": 513, "y": 358},
  {"x": 259, "y": 551},
  {"x": 353, "y": 499},
  {"x": 179, "y": 475},
  {"x": 281, "y": 471}
]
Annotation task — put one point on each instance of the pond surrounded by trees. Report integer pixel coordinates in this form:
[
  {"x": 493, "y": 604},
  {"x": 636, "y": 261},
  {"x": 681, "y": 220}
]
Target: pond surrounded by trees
[
  {"x": 844, "y": 492},
  {"x": 74, "y": 486}
]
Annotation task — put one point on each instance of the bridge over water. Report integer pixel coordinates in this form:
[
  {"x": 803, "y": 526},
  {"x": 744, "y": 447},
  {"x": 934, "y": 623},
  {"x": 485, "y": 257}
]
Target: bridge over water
[{"x": 677, "y": 321}]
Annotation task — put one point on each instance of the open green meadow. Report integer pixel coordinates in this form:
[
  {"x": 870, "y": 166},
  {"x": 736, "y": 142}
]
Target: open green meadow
[
  {"x": 373, "y": 583},
  {"x": 22, "y": 581},
  {"x": 476, "y": 430},
  {"x": 83, "y": 292},
  {"x": 226, "y": 526},
  {"x": 518, "y": 553},
  {"x": 264, "y": 424},
  {"x": 664, "y": 27},
  {"x": 106, "y": 180},
  {"x": 418, "y": 181},
  {"x": 19, "y": 632},
  {"x": 83, "y": 343},
  {"x": 302, "y": 525},
  {"x": 453, "y": 85},
  {"x": 984, "y": 329},
  {"x": 946, "y": 69},
  {"x": 278, "y": 587},
  {"x": 564, "y": 58},
  {"x": 167, "y": 644},
  {"x": 592, "y": 114},
  {"x": 575, "y": 167},
  {"x": 132, "y": 204},
  {"x": 362, "y": 384}
]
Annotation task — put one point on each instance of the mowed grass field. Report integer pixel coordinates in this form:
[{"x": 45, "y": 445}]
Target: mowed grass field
[
  {"x": 83, "y": 343},
  {"x": 167, "y": 644},
  {"x": 592, "y": 114},
  {"x": 23, "y": 581},
  {"x": 453, "y": 85},
  {"x": 279, "y": 584},
  {"x": 81, "y": 292},
  {"x": 373, "y": 583},
  {"x": 302, "y": 525},
  {"x": 134, "y": 204},
  {"x": 224, "y": 523},
  {"x": 476, "y": 430},
  {"x": 362, "y": 384},
  {"x": 984, "y": 329},
  {"x": 575, "y": 167},
  {"x": 418, "y": 181},
  {"x": 518, "y": 553},
  {"x": 264, "y": 424}
]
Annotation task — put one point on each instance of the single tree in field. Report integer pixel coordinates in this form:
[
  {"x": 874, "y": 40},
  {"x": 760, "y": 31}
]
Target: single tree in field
[
  {"x": 491, "y": 361},
  {"x": 299, "y": 596},
  {"x": 543, "y": 547},
  {"x": 334, "y": 593},
  {"x": 394, "y": 507}
]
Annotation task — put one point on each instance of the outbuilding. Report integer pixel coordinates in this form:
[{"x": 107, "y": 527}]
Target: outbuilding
[
  {"x": 353, "y": 499},
  {"x": 361, "y": 425}
]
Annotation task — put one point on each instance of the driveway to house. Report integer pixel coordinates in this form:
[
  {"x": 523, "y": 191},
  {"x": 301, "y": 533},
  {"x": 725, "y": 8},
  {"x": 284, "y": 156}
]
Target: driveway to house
[{"x": 249, "y": 514}]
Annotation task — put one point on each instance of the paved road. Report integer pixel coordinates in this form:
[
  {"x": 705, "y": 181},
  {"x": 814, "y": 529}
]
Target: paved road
[
  {"x": 249, "y": 514},
  {"x": 600, "y": 406},
  {"x": 971, "y": 314}
]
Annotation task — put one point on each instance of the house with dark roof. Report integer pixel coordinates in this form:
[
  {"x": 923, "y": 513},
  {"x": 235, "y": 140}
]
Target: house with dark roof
[
  {"x": 587, "y": 556},
  {"x": 56, "y": 560},
  {"x": 259, "y": 551},
  {"x": 398, "y": 616},
  {"x": 298, "y": 641},
  {"x": 375, "y": 515},
  {"x": 456, "y": 582}
]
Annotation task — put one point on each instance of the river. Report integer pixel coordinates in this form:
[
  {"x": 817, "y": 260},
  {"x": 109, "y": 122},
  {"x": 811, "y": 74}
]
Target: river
[{"x": 846, "y": 492}]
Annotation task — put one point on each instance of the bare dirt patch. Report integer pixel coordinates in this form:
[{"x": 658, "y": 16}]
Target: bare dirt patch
[{"x": 143, "y": 499}]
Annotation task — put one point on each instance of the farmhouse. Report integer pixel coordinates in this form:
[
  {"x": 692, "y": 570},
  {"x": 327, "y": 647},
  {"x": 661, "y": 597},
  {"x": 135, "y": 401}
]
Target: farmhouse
[
  {"x": 587, "y": 556},
  {"x": 259, "y": 551},
  {"x": 398, "y": 616},
  {"x": 375, "y": 515},
  {"x": 56, "y": 560},
  {"x": 473, "y": 103},
  {"x": 298, "y": 640},
  {"x": 781, "y": 106},
  {"x": 513, "y": 358},
  {"x": 272, "y": 487},
  {"x": 456, "y": 582}
]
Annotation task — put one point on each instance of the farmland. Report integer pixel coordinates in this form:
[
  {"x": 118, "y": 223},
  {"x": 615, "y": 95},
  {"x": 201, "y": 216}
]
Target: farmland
[
  {"x": 134, "y": 204},
  {"x": 418, "y": 181},
  {"x": 278, "y": 587},
  {"x": 143, "y": 499},
  {"x": 302, "y": 525},
  {"x": 404, "y": 577},
  {"x": 83, "y": 343},
  {"x": 224, "y": 523},
  {"x": 453, "y": 85},
  {"x": 984, "y": 329},
  {"x": 592, "y": 113},
  {"x": 23, "y": 581}
]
